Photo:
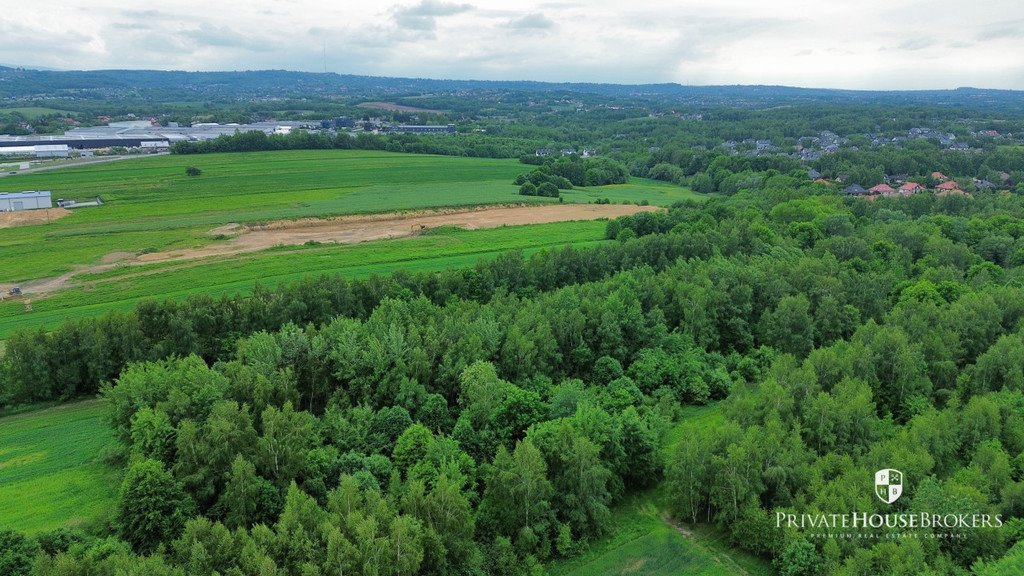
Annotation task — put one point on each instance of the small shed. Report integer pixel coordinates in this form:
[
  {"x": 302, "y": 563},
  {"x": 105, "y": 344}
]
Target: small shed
[{"x": 29, "y": 200}]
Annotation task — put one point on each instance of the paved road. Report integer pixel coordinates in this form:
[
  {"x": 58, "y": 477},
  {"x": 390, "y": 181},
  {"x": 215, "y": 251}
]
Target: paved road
[{"x": 99, "y": 160}]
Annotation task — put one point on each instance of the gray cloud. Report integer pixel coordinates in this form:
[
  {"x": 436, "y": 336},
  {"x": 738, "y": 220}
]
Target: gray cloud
[
  {"x": 17, "y": 37},
  {"x": 1009, "y": 30},
  {"x": 691, "y": 41},
  {"x": 224, "y": 37},
  {"x": 146, "y": 15},
  {"x": 914, "y": 44},
  {"x": 535, "y": 21},
  {"x": 423, "y": 16}
]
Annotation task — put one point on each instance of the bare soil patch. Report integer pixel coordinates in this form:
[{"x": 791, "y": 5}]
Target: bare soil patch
[
  {"x": 28, "y": 217},
  {"x": 341, "y": 230},
  {"x": 397, "y": 107},
  {"x": 355, "y": 229},
  {"x": 678, "y": 527}
]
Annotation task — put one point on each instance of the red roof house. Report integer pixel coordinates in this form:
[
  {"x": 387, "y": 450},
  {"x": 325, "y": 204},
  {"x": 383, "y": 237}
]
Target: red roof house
[
  {"x": 910, "y": 187},
  {"x": 883, "y": 189},
  {"x": 939, "y": 176},
  {"x": 950, "y": 188}
]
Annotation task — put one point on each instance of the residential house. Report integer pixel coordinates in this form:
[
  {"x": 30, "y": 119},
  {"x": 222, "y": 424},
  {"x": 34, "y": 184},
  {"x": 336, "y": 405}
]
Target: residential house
[
  {"x": 939, "y": 177},
  {"x": 950, "y": 188},
  {"x": 883, "y": 189},
  {"x": 910, "y": 188},
  {"x": 855, "y": 190}
]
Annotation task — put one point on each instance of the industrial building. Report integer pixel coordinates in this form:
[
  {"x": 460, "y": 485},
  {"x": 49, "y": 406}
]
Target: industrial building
[
  {"x": 37, "y": 150},
  {"x": 28, "y": 200},
  {"x": 136, "y": 134},
  {"x": 432, "y": 129}
]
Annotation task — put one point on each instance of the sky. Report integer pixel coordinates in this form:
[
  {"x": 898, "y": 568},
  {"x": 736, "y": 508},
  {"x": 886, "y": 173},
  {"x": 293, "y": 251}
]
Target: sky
[{"x": 856, "y": 44}]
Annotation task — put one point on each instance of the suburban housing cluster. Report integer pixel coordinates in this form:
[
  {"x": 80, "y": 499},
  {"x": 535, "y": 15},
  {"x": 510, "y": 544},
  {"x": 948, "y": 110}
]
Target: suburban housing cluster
[{"x": 944, "y": 187}]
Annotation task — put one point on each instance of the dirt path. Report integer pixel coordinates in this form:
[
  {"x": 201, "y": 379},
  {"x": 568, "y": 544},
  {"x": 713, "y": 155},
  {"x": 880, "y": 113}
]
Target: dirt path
[
  {"x": 341, "y": 230},
  {"x": 355, "y": 229},
  {"x": 719, "y": 557}
]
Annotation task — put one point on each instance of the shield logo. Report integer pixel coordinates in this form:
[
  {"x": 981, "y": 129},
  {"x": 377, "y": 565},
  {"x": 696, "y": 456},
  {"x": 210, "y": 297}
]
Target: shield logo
[{"x": 889, "y": 485}]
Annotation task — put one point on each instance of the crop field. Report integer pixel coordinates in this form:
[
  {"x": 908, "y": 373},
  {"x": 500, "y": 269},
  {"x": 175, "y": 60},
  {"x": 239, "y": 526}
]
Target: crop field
[
  {"x": 76, "y": 265},
  {"x": 123, "y": 287},
  {"x": 151, "y": 205},
  {"x": 50, "y": 469}
]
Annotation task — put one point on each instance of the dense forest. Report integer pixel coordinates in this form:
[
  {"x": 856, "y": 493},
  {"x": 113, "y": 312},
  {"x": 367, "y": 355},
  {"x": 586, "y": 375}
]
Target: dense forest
[{"x": 486, "y": 420}]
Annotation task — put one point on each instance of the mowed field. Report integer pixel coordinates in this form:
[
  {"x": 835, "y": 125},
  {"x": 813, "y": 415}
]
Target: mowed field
[
  {"x": 89, "y": 261},
  {"x": 151, "y": 205},
  {"x": 121, "y": 288},
  {"x": 50, "y": 469}
]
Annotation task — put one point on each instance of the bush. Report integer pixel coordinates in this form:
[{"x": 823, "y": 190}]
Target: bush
[
  {"x": 547, "y": 189},
  {"x": 193, "y": 171}
]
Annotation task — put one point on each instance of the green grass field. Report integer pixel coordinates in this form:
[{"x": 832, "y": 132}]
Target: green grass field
[
  {"x": 646, "y": 542},
  {"x": 32, "y": 112},
  {"x": 50, "y": 472},
  {"x": 152, "y": 205},
  {"x": 123, "y": 287}
]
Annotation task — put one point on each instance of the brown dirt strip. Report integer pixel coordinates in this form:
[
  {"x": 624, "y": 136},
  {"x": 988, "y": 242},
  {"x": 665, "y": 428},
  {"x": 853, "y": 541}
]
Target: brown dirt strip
[
  {"x": 355, "y": 229},
  {"x": 342, "y": 230},
  {"x": 27, "y": 217},
  {"x": 397, "y": 107}
]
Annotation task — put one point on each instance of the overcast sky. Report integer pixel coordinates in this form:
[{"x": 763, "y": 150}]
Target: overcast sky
[{"x": 865, "y": 44}]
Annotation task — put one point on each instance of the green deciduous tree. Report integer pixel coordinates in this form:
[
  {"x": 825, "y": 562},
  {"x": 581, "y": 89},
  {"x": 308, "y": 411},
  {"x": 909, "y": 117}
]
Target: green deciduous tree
[{"x": 152, "y": 506}]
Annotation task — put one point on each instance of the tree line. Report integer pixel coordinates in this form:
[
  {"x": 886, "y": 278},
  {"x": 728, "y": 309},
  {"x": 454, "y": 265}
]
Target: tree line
[{"x": 74, "y": 358}]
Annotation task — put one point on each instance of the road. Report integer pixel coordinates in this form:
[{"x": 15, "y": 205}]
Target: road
[{"x": 85, "y": 162}]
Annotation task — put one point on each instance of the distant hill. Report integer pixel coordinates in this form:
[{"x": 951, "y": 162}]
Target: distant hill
[{"x": 24, "y": 83}]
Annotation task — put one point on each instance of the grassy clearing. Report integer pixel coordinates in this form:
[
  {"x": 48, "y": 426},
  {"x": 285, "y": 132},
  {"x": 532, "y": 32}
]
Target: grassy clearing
[
  {"x": 122, "y": 287},
  {"x": 636, "y": 190},
  {"x": 50, "y": 472},
  {"x": 646, "y": 542}
]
